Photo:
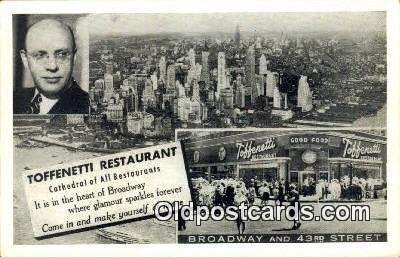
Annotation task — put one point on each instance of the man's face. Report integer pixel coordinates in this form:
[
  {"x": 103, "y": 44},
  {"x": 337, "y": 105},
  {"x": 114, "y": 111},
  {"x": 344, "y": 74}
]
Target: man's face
[{"x": 50, "y": 56}]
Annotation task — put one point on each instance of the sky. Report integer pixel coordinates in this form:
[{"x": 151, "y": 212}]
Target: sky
[{"x": 137, "y": 24}]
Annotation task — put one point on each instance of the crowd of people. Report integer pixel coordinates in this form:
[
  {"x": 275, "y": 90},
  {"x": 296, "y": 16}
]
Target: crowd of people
[
  {"x": 225, "y": 192},
  {"x": 357, "y": 189},
  {"x": 229, "y": 191}
]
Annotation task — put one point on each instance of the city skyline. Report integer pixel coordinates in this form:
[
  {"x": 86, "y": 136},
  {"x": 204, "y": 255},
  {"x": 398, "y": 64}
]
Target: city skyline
[{"x": 138, "y": 24}]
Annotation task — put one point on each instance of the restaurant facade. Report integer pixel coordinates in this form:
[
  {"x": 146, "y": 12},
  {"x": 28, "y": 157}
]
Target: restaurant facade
[{"x": 291, "y": 155}]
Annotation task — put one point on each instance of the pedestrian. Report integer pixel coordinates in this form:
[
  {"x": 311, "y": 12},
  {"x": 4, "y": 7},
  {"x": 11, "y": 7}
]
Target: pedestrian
[
  {"x": 218, "y": 201},
  {"x": 319, "y": 190},
  {"x": 287, "y": 186},
  {"x": 229, "y": 194},
  {"x": 326, "y": 188},
  {"x": 293, "y": 198},
  {"x": 181, "y": 221},
  {"x": 281, "y": 196},
  {"x": 240, "y": 198},
  {"x": 256, "y": 185},
  {"x": 263, "y": 191},
  {"x": 305, "y": 186},
  {"x": 251, "y": 194}
]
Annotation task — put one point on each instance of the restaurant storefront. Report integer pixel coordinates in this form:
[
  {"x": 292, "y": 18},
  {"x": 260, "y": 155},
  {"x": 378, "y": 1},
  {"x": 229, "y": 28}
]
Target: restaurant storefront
[{"x": 296, "y": 156}]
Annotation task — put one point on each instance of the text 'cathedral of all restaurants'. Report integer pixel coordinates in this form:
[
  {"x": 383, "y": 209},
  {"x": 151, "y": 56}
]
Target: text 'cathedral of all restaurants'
[{"x": 301, "y": 158}]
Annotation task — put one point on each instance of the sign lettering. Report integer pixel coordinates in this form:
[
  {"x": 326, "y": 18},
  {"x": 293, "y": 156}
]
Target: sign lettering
[
  {"x": 247, "y": 150},
  {"x": 356, "y": 149}
]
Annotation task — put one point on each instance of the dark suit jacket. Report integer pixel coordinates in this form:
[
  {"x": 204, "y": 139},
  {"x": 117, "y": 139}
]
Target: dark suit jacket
[{"x": 73, "y": 101}]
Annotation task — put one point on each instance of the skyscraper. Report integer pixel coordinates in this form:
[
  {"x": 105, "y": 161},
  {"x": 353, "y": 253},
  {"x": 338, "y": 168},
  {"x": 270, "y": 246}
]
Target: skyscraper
[
  {"x": 171, "y": 76},
  {"x": 237, "y": 36},
  {"x": 192, "y": 57},
  {"x": 277, "y": 98},
  {"x": 272, "y": 81},
  {"x": 239, "y": 80},
  {"x": 163, "y": 69},
  {"x": 196, "y": 91},
  {"x": 240, "y": 96},
  {"x": 263, "y": 65},
  {"x": 304, "y": 96},
  {"x": 154, "y": 82},
  {"x": 221, "y": 73},
  {"x": 109, "y": 86},
  {"x": 250, "y": 70},
  {"x": 227, "y": 98},
  {"x": 205, "y": 73},
  {"x": 197, "y": 71},
  {"x": 191, "y": 75},
  {"x": 133, "y": 83},
  {"x": 109, "y": 68},
  {"x": 148, "y": 95}
]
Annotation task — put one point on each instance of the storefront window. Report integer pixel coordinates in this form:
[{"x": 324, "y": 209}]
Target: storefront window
[
  {"x": 294, "y": 177},
  {"x": 267, "y": 174},
  {"x": 340, "y": 171},
  {"x": 366, "y": 172},
  {"x": 222, "y": 172}
]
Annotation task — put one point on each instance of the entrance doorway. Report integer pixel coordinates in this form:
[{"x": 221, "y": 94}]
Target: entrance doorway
[
  {"x": 307, "y": 181},
  {"x": 324, "y": 175}
]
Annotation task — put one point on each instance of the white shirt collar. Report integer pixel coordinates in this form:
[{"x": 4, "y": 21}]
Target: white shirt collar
[{"x": 46, "y": 104}]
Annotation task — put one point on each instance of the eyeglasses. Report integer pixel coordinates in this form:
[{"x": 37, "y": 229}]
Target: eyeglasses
[{"x": 43, "y": 57}]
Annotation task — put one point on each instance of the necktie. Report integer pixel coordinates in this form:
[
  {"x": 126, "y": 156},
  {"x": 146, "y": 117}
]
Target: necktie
[{"x": 35, "y": 104}]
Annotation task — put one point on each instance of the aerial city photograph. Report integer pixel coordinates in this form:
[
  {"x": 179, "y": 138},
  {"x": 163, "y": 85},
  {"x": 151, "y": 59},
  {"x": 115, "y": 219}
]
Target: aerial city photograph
[{"x": 237, "y": 71}]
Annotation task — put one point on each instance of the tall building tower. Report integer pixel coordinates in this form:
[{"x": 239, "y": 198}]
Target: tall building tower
[
  {"x": 109, "y": 68},
  {"x": 163, "y": 69},
  {"x": 197, "y": 71},
  {"x": 227, "y": 97},
  {"x": 221, "y": 72},
  {"x": 277, "y": 98},
  {"x": 109, "y": 86},
  {"x": 304, "y": 95},
  {"x": 195, "y": 91},
  {"x": 205, "y": 73},
  {"x": 272, "y": 81},
  {"x": 237, "y": 36},
  {"x": 239, "y": 80},
  {"x": 250, "y": 70},
  {"x": 263, "y": 65},
  {"x": 192, "y": 57},
  {"x": 190, "y": 76},
  {"x": 171, "y": 76},
  {"x": 240, "y": 97},
  {"x": 132, "y": 82},
  {"x": 149, "y": 99},
  {"x": 154, "y": 81}
]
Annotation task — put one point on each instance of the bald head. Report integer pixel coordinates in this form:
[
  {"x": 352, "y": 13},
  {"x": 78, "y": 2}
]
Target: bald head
[
  {"x": 49, "y": 55},
  {"x": 49, "y": 30}
]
